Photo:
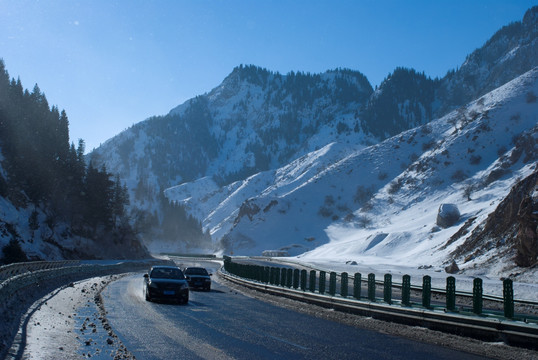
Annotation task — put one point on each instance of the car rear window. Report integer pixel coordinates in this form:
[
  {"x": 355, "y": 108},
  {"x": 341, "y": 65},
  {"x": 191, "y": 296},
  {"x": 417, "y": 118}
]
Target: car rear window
[
  {"x": 196, "y": 271},
  {"x": 171, "y": 273}
]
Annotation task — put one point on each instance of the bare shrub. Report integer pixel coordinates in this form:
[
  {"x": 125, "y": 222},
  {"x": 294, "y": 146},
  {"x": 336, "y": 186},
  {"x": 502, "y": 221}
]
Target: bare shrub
[
  {"x": 363, "y": 194},
  {"x": 428, "y": 145},
  {"x": 458, "y": 175},
  {"x": 325, "y": 212},
  {"x": 329, "y": 200},
  {"x": 468, "y": 191},
  {"x": 395, "y": 186},
  {"x": 475, "y": 159},
  {"x": 367, "y": 206},
  {"x": 364, "y": 221},
  {"x": 426, "y": 129},
  {"x": 484, "y": 127}
]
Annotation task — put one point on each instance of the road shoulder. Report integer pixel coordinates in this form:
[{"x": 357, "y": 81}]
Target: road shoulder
[{"x": 70, "y": 322}]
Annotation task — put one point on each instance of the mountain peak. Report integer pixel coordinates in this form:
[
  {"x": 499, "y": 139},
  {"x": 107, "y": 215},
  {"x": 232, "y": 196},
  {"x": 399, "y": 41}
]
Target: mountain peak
[{"x": 531, "y": 17}]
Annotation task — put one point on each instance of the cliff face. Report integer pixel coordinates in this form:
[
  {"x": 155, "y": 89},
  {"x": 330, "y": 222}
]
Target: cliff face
[{"x": 511, "y": 227}]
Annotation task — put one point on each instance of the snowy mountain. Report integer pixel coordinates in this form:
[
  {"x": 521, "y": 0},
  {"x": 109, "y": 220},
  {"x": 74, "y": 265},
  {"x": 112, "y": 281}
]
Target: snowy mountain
[
  {"x": 406, "y": 98},
  {"x": 511, "y": 51},
  {"x": 381, "y": 202},
  {"x": 254, "y": 121},
  {"x": 325, "y": 166}
]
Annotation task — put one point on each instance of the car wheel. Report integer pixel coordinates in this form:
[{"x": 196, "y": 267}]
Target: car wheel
[{"x": 208, "y": 288}]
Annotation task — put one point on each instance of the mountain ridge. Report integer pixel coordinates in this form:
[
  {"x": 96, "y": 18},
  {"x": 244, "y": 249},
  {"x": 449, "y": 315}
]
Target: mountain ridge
[{"x": 257, "y": 122}]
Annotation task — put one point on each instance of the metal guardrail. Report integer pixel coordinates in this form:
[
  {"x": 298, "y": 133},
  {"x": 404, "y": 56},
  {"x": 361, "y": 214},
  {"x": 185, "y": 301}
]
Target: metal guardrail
[
  {"x": 21, "y": 275},
  {"x": 11, "y": 270},
  {"x": 399, "y": 285},
  {"x": 485, "y": 328}
]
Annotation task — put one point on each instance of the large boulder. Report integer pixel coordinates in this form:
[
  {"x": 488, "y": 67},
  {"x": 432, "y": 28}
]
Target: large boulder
[{"x": 447, "y": 215}]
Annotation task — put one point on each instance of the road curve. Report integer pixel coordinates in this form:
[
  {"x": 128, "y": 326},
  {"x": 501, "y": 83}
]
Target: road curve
[{"x": 223, "y": 324}]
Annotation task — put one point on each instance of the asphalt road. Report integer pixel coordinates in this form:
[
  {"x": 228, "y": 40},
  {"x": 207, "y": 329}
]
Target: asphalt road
[{"x": 224, "y": 324}]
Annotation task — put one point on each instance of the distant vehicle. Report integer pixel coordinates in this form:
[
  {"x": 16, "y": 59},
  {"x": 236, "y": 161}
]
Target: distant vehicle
[
  {"x": 166, "y": 282},
  {"x": 198, "y": 277}
]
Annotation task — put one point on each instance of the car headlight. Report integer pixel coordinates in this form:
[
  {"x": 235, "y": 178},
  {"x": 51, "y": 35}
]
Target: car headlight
[
  {"x": 153, "y": 285},
  {"x": 184, "y": 286}
]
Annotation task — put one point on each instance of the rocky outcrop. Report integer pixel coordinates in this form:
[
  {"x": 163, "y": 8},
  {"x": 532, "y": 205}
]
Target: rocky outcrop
[
  {"x": 511, "y": 227},
  {"x": 527, "y": 239},
  {"x": 452, "y": 268},
  {"x": 249, "y": 209}
]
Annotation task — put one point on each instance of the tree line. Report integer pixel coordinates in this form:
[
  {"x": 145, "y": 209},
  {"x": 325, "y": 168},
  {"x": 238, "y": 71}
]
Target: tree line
[{"x": 42, "y": 168}]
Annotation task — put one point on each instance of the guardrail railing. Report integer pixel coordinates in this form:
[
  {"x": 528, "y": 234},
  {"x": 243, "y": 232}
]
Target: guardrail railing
[
  {"x": 476, "y": 322},
  {"x": 11, "y": 270},
  {"x": 15, "y": 277},
  {"x": 398, "y": 285}
]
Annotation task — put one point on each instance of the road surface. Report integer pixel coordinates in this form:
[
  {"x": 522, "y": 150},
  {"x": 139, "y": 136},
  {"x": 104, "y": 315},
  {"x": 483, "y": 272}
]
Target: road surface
[{"x": 224, "y": 324}]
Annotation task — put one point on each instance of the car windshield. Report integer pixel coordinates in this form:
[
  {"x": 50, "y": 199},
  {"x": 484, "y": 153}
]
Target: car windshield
[
  {"x": 196, "y": 271},
  {"x": 163, "y": 273}
]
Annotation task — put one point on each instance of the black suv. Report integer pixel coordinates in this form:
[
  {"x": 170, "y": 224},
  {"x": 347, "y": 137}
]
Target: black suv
[
  {"x": 198, "y": 277},
  {"x": 166, "y": 282}
]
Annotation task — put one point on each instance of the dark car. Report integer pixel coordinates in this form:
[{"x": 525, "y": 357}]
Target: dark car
[
  {"x": 166, "y": 282},
  {"x": 198, "y": 277}
]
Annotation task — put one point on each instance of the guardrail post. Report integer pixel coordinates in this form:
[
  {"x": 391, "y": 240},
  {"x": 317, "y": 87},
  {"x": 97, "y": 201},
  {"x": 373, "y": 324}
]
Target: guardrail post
[
  {"x": 322, "y": 280},
  {"x": 273, "y": 275},
  {"x": 426, "y": 291},
  {"x": 332, "y": 283},
  {"x": 508, "y": 297},
  {"x": 255, "y": 269},
  {"x": 387, "y": 289},
  {"x": 371, "y": 287},
  {"x": 295, "y": 278},
  {"x": 312, "y": 282},
  {"x": 252, "y": 272},
  {"x": 283, "y": 273},
  {"x": 303, "y": 279},
  {"x": 344, "y": 285},
  {"x": 451, "y": 293},
  {"x": 477, "y": 296},
  {"x": 406, "y": 290},
  {"x": 357, "y": 286},
  {"x": 289, "y": 278}
]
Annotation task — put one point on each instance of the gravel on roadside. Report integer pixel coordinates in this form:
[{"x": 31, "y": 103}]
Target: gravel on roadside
[{"x": 69, "y": 323}]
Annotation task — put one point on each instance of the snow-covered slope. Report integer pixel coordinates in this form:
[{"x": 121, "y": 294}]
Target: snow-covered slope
[{"x": 379, "y": 203}]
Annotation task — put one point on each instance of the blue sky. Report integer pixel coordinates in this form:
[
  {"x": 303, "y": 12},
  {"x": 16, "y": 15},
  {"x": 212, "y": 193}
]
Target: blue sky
[{"x": 111, "y": 64}]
